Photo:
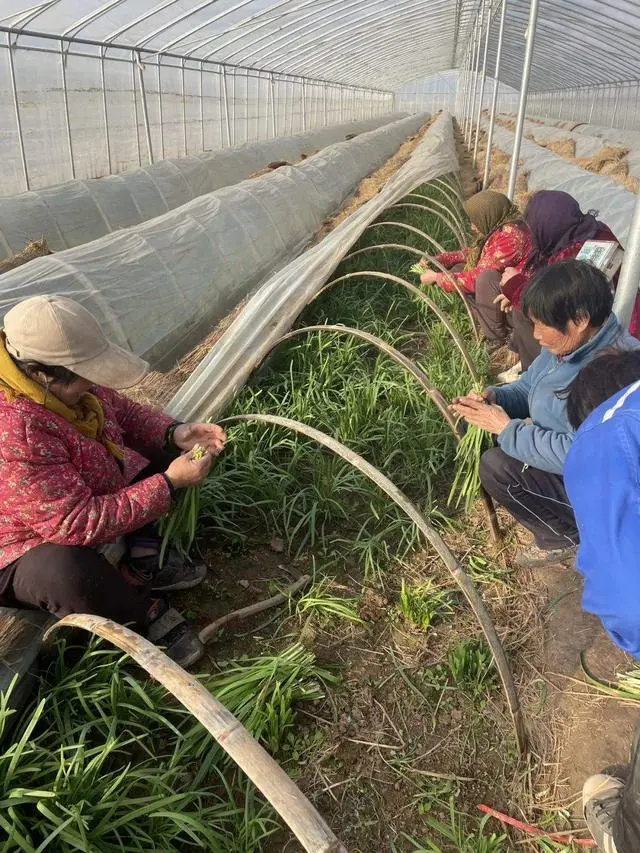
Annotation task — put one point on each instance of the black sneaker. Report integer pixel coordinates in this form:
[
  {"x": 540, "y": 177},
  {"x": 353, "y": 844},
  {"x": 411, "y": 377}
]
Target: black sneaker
[
  {"x": 169, "y": 630},
  {"x": 176, "y": 573}
]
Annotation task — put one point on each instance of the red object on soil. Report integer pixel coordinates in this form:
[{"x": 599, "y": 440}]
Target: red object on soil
[{"x": 533, "y": 830}]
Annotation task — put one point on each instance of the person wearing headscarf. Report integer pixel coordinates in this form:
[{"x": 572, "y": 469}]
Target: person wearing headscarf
[
  {"x": 83, "y": 469},
  {"x": 559, "y": 229},
  {"x": 502, "y": 242}
]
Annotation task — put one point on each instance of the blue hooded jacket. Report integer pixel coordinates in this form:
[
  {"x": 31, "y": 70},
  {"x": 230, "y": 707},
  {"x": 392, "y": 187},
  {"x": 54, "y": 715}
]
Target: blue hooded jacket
[
  {"x": 602, "y": 478},
  {"x": 539, "y": 434}
]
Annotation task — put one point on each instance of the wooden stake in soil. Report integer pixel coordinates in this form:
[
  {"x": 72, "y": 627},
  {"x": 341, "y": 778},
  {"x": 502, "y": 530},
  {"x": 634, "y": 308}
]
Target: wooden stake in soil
[
  {"x": 457, "y": 572},
  {"x": 304, "y": 821}
]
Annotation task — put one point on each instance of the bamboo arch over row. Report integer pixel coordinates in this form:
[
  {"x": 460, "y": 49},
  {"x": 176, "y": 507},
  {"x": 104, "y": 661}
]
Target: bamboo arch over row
[
  {"x": 436, "y": 263},
  {"x": 462, "y": 579},
  {"x": 423, "y": 380}
]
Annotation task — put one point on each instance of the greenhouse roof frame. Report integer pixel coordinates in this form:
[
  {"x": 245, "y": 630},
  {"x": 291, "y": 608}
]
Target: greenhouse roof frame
[{"x": 382, "y": 44}]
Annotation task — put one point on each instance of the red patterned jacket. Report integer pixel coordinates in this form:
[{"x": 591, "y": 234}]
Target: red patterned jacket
[
  {"x": 58, "y": 486},
  {"x": 515, "y": 288},
  {"x": 509, "y": 246}
]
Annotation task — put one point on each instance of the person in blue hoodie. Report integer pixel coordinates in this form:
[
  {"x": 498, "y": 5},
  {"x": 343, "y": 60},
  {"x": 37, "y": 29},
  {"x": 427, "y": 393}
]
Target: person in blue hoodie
[
  {"x": 602, "y": 478},
  {"x": 569, "y": 305}
]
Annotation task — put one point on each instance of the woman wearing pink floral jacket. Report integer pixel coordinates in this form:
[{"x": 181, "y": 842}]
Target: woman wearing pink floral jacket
[{"x": 82, "y": 466}]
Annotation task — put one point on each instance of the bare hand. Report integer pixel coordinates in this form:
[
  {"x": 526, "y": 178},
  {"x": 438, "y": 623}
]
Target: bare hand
[
  {"x": 491, "y": 418},
  {"x": 185, "y": 471},
  {"x": 429, "y": 277},
  {"x": 210, "y": 436},
  {"x": 486, "y": 396},
  {"x": 503, "y": 303},
  {"x": 507, "y": 275}
]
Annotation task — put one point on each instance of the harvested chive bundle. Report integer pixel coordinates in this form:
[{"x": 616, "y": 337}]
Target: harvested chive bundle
[
  {"x": 418, "y": 268},
  {"x": 466, "y": 483},
  {"x": 178, "y": 526}
]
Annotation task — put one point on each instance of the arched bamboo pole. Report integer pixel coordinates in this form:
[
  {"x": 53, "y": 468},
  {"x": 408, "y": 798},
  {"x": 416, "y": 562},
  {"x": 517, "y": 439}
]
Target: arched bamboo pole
[
  {"x": 425, "y": 383},
  {"x": 457, "y": 217},
  {"x": 422, "y": 255},
  {"x": 447, "y": 222},
  {"x": 457, "y": 572},
  {"x": 304, "y": 821},
  {"x": 431, "y": 259},
  {"x": 419, "y": 294}
]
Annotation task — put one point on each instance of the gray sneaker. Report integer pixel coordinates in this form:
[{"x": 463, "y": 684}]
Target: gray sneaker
[
  {"x": 601, "y": 796},
  {"x": 534, "y": 557},
  {"x": 177, "y": 573}
]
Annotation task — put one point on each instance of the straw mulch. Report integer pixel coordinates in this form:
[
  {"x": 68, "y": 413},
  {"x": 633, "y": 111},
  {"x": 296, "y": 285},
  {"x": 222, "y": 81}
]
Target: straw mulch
[{"x": 34, "y": 249}]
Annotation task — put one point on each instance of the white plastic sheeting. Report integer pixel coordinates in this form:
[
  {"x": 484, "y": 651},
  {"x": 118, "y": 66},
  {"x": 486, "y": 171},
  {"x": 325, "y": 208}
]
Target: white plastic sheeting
[
  {"x": 77, "y": 212},
  {"x": 273, "y": 309},
  {"x": 159, "y": 287},
  {"x": 548, "y": 171}
]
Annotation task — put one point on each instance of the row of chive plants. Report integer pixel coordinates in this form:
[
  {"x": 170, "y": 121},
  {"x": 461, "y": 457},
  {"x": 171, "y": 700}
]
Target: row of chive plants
[{"x": 273, "y": 482}]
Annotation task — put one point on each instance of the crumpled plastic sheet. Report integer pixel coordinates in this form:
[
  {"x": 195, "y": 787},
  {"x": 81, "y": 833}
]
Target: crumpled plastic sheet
[
  {"x": 549, "y": 171},
  {"x": 160, "y": 287},
  {"x": 271, "y": 312},
  {"x": 77, "y": 212}
]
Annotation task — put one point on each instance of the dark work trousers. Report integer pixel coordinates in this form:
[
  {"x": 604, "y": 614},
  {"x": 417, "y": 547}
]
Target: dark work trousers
[
  {"x": 65, "y": 579},
  {"x": 494, "y": 323},
  {"x": 626, "y": 823},
  {"x": 522, "y": 339},
  {"x": 535, "y": 498}
]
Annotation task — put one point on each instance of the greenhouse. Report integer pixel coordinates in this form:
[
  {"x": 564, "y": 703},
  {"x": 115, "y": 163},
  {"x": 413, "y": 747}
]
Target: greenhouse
[{"x": 320, "y": 349}]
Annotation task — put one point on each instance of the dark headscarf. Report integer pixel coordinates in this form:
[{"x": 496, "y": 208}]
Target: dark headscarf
[
  {"x": 556, "y": 221},
  {"x": 488, "y": 211}
]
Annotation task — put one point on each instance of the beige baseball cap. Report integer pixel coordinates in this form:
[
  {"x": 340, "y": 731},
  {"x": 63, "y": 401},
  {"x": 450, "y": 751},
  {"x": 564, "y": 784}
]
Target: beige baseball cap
[{"x": 57, "y": 331}]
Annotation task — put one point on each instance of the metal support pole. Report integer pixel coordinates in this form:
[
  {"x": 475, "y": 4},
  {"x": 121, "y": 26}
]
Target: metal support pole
[
  {"x": 494, "y": 100},
  {"x": 304, "y": 106},
  {"x": 105, "y": 111},
  {"x": 524, "y": 90},
  {"x": 483, "y": 81},
  {"x": 615, "y": 106},
  {"x": 325, "y": 106},
  {"x": 145, "y": 110},
  {"x": 272, "y": 102},
  {"x": 67, "y": 119},
  {"x": 225, "y": 104},
  {"x": 474, "y": 79},
  {"x": 201, "y": 106},
  {"x": 629, "y": 280},
  {"x": 160, "y": 109},
  {"x": 16, "y": 108},
  {"x": 135, "y": 107},
  {"x": 184, "y": 108}
]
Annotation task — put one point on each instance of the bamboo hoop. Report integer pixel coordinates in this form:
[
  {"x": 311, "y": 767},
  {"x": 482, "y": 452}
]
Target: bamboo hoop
[
  {"x": 437, "y": 246},
  {"x": 459, "y": 575},
  {"x": 425, "y": 383},
  {"x": 447, "y": 222},
  {"x": 419, "y": 294},
  {"x": 460, "y": 222},
  {"x": 422, "y": 255},
  {"x": 436, "y": 263},
  {"x": 305, "y": 822}
]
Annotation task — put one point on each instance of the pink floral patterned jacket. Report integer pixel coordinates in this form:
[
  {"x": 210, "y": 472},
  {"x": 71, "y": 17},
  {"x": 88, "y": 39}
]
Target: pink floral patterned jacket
[{"x": 58, "y": 486}]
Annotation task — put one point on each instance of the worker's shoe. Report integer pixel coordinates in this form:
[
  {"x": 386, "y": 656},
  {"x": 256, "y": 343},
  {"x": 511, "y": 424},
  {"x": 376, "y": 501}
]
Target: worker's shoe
[
  {"x": 176, "y": 572},
  {"x": 601, "y": 797},
  {"x": 534, "y": 557},
  {"x": 168, "y": 629}
]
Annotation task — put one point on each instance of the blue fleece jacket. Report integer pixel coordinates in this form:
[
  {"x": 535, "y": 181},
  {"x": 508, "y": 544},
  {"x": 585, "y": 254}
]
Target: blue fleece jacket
[
  {"x": 602, "y": 478},
  {"x": 539, "y": 434}
]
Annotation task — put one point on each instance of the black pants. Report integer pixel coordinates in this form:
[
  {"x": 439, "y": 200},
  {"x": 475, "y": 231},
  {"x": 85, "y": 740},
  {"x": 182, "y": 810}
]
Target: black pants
[
  {"x": 522, "y": 339},
  {"x": 535, "y": 498},
  {"x": 494, "y": 323},
  {"x": 64, "y": 579}
]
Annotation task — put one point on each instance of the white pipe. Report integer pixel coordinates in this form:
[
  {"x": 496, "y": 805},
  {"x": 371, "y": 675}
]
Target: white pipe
[
  {"x": 494, "y": 100},
  {"x": 629, "y": 280},
  {"x": 524, "y": 90}
]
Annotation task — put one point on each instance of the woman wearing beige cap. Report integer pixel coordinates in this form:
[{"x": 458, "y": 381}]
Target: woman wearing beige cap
[{"x": 81, "y": 466}]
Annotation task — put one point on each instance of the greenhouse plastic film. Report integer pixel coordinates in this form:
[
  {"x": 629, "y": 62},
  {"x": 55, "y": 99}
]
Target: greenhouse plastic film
[
  {"x": 77, "y": 212},
  {"x": 273, "y": 309},
  {"x": 548, "y": 171},
  {"x": 159, "y": 287}
]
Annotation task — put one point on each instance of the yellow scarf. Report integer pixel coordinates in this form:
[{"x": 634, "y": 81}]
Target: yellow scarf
[{"x": 87, "y": 416}]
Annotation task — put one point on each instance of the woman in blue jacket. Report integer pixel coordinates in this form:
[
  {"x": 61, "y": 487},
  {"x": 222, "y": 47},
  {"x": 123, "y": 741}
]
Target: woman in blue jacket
[{"x": 569, "y": 305}]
